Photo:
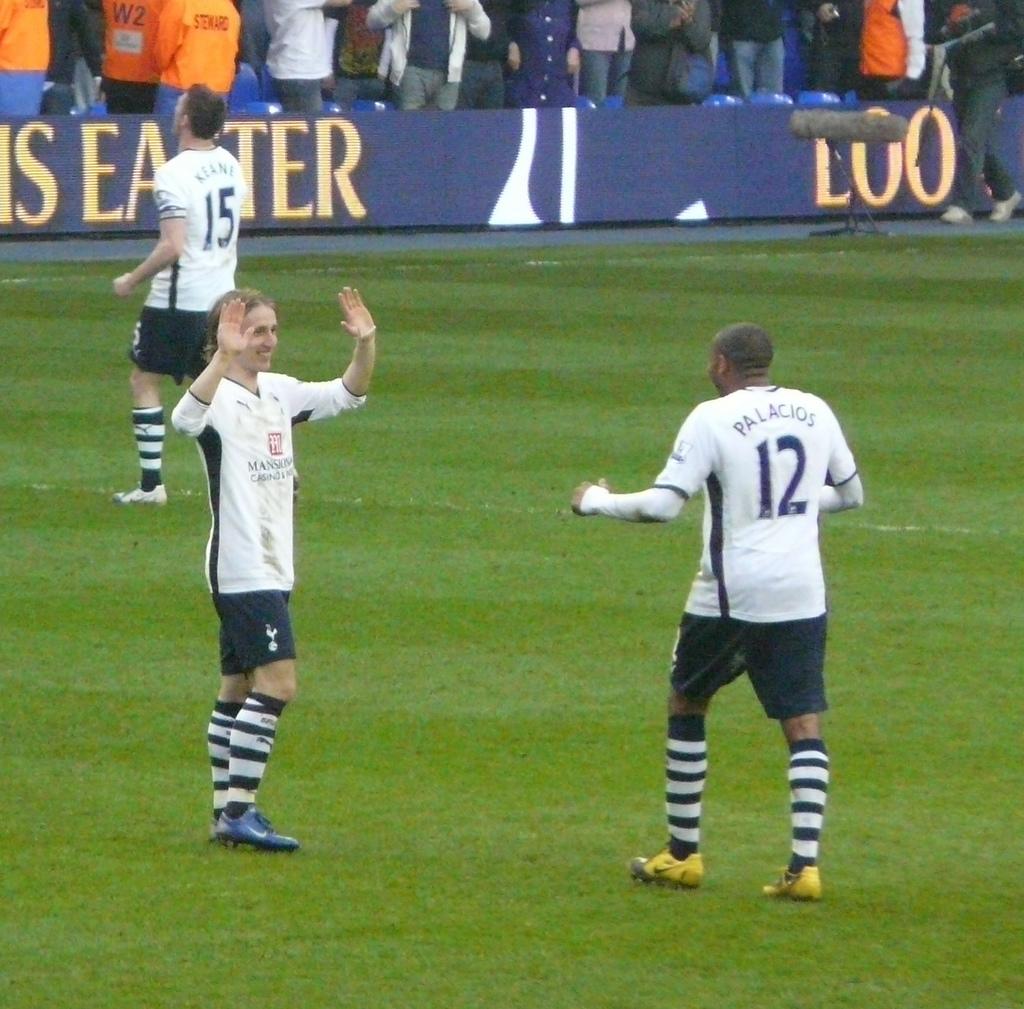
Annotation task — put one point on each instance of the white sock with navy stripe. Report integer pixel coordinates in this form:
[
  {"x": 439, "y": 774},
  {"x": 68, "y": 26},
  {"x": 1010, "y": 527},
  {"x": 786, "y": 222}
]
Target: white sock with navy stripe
[
  {"x": 148, "y": 423},
  {"x": 686, "y": 768},
  {"x": 218, "y": 744},
  {"x": 808, "y": 784},
  {"x": 252, "y": 739}
]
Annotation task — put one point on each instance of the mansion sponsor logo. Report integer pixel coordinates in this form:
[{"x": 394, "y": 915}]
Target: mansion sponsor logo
[
  {"x": 264, "y": 470},
  {"x": 275, "y": 443}
]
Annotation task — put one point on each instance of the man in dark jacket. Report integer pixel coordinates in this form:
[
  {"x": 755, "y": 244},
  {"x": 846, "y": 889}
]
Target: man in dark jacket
[
  {"x": 71, "y": 35},
  {"x": 673, "y": 39},
  {"x": 978, "y": 71}
]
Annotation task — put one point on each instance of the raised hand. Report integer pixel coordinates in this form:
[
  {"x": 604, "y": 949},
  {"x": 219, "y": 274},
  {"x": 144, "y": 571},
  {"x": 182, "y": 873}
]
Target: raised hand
[
  {"x": 356, "y": 320},
  {"x": 231, "y": 340}
]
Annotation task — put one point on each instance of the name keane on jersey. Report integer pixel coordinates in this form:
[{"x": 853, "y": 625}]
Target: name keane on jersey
[
  {"x": 784, "y": 410},
  {"x": 264, "y": 470},
  {"x": 215, "y": 168}
]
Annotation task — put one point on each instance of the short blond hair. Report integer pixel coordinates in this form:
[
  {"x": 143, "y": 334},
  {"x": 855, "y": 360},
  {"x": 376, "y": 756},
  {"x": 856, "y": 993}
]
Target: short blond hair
[{"x": 252, "y": 299}]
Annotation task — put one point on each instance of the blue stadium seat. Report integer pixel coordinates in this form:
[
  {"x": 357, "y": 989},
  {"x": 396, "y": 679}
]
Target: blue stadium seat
[
  {"x": 263, "y": 109},
  {"x": 244, "y": 89},
  {"x": 722, "y": 100},
  {"x": 369, "y": 105},
  {"x": 818, "y": 98},
  {"x": 582, "y": 103},
  {"x": 613, "y": 102},
  {"x": 331, "y": 109},
  {"x": 769, "y": 98}
]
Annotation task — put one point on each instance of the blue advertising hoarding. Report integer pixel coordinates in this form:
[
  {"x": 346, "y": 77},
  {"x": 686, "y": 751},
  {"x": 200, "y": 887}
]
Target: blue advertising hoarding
[{"x": 513, "y": 168}]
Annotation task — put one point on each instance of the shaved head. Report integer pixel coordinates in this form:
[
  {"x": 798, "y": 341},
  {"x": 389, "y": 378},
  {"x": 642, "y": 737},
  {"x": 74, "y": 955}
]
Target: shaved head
[{"x": 745, "y": 346}]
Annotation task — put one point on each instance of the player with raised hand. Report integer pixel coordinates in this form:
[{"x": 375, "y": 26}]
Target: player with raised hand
[
  {"x": 242, "y": 416},
  {"x": 769, "y": 460}
]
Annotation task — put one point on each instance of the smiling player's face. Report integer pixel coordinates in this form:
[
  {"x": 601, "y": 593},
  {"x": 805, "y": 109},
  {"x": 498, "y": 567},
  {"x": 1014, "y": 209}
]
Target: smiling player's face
[{"x": 262, "y": 320}]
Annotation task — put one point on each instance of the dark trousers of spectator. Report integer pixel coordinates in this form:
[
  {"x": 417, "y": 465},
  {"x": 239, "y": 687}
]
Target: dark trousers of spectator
[
  {"x": 129, "y": 97},
  {"x": 302, "y": 97},
  {"x": 58, "y": 100},
  {"x": 350, "y": 89},
  {"x": 483, "y": 85},
  {"x": 834, "y": 66},
  {"x": 976, "y": 102}
]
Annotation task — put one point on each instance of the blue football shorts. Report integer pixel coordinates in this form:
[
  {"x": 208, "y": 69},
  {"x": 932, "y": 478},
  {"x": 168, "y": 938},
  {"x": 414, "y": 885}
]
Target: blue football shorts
[{"x": 785, "y": 661}]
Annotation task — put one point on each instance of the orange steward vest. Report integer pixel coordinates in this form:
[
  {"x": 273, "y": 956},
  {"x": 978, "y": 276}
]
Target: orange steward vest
[
  {"x": 883, "y": 44},
  {"x": 129, "y": 52},
  {"x": 197, "y": 43},
  {"x": 24, "y": 35}
]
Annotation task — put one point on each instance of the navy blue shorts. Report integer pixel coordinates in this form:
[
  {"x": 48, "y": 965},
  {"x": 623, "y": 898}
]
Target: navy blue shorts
[
  {"x": 785, "y": 661},
  {"x": 168, "y": 341},
  {"x": 255, "y": 630}
]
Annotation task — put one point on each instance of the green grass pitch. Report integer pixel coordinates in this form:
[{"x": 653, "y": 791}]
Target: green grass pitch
[{"x": 476, "y": 750}]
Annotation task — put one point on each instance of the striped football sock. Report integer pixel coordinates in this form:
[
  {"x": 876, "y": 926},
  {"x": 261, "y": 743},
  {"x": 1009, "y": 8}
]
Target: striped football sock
[
  {"x": 252, "y": 739},
  {"x": 808, "y": 784},
  {"x": 218, "y": 743},
  {"x": 686, "y": 768},
  {"x": 148, "y": 423}
]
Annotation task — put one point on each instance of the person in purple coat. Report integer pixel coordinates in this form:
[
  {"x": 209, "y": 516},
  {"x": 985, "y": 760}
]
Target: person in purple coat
[{"x": 543, "y": 35}]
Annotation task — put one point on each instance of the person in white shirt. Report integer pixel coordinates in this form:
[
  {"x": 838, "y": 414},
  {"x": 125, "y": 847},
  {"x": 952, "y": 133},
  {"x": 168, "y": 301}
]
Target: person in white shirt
[
  {"x": 199, "y": 195},
  {"x": 298, "y": 57},
  {"x": 770, "y": 460},
  {"x": 242, "y": 416}
]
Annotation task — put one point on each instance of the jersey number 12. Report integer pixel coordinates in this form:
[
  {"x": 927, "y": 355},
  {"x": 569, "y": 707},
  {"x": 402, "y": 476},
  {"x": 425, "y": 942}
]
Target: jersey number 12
[{"x": 787, "y": 506}]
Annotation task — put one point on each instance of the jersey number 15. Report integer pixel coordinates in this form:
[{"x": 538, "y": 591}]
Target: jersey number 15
[{"x": 225, "y": 212}]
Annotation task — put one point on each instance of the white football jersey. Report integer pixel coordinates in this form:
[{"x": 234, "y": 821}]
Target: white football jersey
[
  {"x": 245, "y": 440},
  {"x": 207, "y": 189},
  {"x": 762, "y": 454}
]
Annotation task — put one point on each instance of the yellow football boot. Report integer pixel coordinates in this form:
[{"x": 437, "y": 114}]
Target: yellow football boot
[
  {"x": 803, "y": 885},
  {"x": 666, "y": 870}
]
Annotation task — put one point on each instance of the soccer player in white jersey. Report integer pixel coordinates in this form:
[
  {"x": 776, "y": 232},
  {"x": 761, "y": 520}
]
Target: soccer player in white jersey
[
  {"x": 242, "y": 415},
  {"x": 199, "y": 195},
  {"x": 770, "y": 460}
]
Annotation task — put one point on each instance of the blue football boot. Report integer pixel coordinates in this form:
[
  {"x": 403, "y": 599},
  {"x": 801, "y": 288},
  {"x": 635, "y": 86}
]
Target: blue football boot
[{"x": 252, "y": 828}]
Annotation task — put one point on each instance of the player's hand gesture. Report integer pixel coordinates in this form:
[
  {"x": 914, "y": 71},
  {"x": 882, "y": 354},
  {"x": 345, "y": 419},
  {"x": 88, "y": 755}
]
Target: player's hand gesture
[
  {"x": 231, "y": 340},
  {"x": 356, "y": 320}
]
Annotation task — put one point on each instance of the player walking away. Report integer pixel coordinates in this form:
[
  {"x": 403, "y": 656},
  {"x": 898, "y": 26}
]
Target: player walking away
[
  {"x": 769, "y": 460},
  {"x": 241, "y": 415},
  {"x": 199, "y": 193}
]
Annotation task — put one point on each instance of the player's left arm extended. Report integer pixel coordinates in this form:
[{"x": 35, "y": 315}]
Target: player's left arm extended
[
  {"x": 168, "y": 248},
  {"x": 848, "y": 494},
  {"x": 656, "y": 504}
]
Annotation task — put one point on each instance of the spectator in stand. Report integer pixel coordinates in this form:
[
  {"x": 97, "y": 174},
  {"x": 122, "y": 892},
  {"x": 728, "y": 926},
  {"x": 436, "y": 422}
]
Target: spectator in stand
[
  {"x": 24, "y": 56},
  {"x": 299, "y": 58},
  {"x": 665, "y": 31},
  {"x": 483, "y": 74},
  {"x": 892, "y": 53},
  {"x": 71, "y": 33},
  {"x": 752, "y": 37},
  {"x": 356, "y": 56},
  {"x": 425, "y": 47},
  {"x": 196, "y": 43},
  {"x": 548, "y": 51},
  {"x": 606, "y": 43},
  {"x": 130, "y": 74},
  {"x": 834, "y": 56},
  {"x": 255, "y": 38}
]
